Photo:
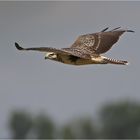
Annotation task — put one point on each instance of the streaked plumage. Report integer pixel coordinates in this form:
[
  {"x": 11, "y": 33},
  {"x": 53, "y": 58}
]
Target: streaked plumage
[{"x": 87, "y": 49}]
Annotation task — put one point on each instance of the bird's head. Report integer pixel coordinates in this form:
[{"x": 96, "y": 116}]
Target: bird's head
[{"x": 51, "y": 55}]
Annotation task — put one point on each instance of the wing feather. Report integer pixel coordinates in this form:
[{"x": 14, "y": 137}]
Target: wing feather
[
  {"x": 66, "y": 51},
  {"x": 100, "y": 42},
  {"x": 87, "y": 45}
]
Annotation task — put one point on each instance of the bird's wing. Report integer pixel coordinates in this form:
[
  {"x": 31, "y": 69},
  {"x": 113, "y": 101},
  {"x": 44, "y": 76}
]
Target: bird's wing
[
  {"x": 66, "y": 51},
  {"x": 100, "y": 42}
]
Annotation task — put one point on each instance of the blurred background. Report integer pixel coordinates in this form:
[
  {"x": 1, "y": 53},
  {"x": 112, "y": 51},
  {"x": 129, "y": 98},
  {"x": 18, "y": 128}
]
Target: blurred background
[{"x": 46, "y": 99}]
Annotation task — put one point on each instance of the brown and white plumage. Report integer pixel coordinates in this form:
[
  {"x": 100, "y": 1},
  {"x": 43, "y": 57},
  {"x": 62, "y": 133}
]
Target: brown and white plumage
[{"x": 87, "y": 49}]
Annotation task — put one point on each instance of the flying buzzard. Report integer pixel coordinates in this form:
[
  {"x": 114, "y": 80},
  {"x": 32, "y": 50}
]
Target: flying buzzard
[{"x": 87, "y": 49}]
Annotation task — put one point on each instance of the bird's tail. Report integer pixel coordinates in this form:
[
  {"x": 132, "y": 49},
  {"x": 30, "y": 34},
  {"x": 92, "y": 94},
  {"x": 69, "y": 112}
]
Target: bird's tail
[{"x": 114, "y": 61}]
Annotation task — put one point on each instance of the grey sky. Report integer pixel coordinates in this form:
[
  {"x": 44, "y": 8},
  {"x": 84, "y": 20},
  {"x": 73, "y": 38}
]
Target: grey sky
[{"x": 29, "y": 82}]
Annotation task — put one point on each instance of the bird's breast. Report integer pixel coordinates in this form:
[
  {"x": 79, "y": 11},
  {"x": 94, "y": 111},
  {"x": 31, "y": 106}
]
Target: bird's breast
[{"x": 74, "y": 60}]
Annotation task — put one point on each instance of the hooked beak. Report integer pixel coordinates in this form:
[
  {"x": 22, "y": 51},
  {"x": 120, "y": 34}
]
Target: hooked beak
[{"x": 46, "y": 57}]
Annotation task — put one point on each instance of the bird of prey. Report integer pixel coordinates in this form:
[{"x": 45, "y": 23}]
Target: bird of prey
[{"x": 87, "y": 49}]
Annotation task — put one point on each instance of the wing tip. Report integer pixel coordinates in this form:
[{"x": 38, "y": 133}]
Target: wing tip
[
  {"x": 105, "y": 29},
  {"x": 18, "y": 47},
  {"x": 116, "y": 29},
  {"x": 130, "y": 31}
]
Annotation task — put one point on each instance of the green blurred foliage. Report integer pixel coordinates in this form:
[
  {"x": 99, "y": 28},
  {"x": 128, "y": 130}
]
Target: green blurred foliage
[
  {"x": 20, "y": 124},
  {"x": 120, "y": 120},
  {"x": 81, "y": 128},
  {"x": 67, "y": 133},
  {"x": 88, "y": 130},
  {"x": 44, "y": 127}
]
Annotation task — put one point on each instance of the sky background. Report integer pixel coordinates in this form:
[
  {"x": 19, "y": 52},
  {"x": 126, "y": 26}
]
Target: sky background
[{"x": 29, "y": 82}]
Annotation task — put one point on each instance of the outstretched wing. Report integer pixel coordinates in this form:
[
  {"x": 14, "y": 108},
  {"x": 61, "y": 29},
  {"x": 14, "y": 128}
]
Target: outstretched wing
[
  {"x": 98, "y": 43},
  {"x": 66, "y": 51}
]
